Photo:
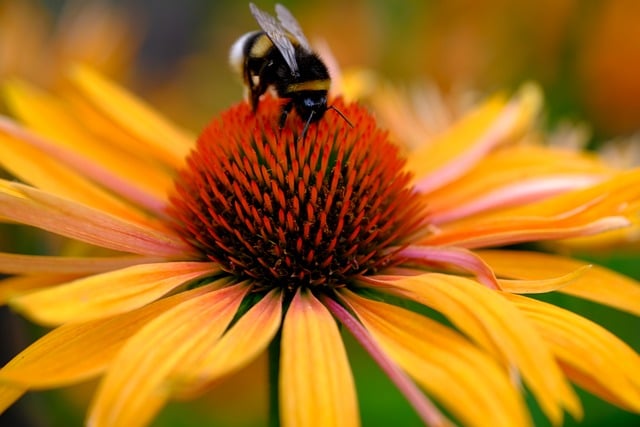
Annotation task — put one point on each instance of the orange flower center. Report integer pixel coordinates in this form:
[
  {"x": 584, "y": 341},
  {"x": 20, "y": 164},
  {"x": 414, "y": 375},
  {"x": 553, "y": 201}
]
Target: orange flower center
[{"x": 287, "y": 212}]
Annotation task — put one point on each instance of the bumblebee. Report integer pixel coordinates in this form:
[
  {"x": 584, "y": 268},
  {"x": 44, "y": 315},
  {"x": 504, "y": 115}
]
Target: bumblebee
[{"x": 281, "y": 58}]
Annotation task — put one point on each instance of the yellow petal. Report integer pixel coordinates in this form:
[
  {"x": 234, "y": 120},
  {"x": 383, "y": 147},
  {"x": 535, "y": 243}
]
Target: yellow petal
[
  {"x": 62, "y": 125},
  {"x": 26, "y": 141},
  {"x": 462, "y": 377},
  {"x": 596, "y": 284},
  {"x": 19, "y": 285},
  {"x": 596, "y": 359},
  {"x": 136, "y": 388},
  {"x": 542, "y": 285},
  {"x": 74, "y": 352},
  {"x": 37, "y": 264},
  {"x": 109, "y": 293},
  {"x": 246, "y": 339},
  {"x": 31, "y": 206},
  {"x": 172, "y": 143},
  {"x": 9, "y": 395},
  {"x": 500, "y": 328},
  {"x": 493, "y": 123},
  {"x": 316, "y": 384},
  {"x": 457, "y": 140}
]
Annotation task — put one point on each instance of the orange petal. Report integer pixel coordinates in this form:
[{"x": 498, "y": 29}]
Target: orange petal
[
  {"x": 465, "y": 380},
  {"x": 74, "y": 352},
  {"x": 30, "y": 206},
  {"x": 246, "y": 339},
  {"x": 134, "y": 116},
  {"x": 136, "y": 388},
  {"x": 620, "y": 291},
  {"x": 37, "y": 264},
  {"x": 316, "y": 384},
  {"x": 499, "y": 327},
  {"x": 592, "y": 356},
  {"x": 109, "y": 293}
]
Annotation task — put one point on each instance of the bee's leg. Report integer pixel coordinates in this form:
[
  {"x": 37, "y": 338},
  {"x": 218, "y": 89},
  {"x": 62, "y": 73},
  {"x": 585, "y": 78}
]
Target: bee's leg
[
  {"x": 255, "y": 97},
  {"x": 286, "y": 109},
  {"x": 252, "y": 82}
]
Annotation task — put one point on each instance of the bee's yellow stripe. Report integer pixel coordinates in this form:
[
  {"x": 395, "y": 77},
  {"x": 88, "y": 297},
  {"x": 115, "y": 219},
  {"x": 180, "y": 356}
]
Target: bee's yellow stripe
[
  {"x": 310, "y": 85},
  {"x": 261, "y": 46}
]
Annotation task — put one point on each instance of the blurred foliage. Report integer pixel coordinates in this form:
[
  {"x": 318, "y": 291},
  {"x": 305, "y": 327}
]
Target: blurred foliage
[{"x": 585, "y": 54}]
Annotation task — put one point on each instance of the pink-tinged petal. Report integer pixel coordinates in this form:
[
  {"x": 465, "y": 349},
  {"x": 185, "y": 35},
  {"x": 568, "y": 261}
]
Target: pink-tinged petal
[
  {"x": 596, "y": 284},
  {"x": 488, "y": 318},
  {"x": 9, "y": 395},
  {"x": 166, "y": 140},
  {"x": 30, "y": 206},
  {"x": 139, "y": 384},
  {"x": 38, "y": 264},
  {"x": 425, "y": 409},
  {"x": 40, "y": 170},
  {"x": 467, "y": 142},
  {"x": 612, "y": 197},
  {"x": 469, "y": 383},
  {"x": 452, "y": 257},
  {"x": 86, "y": 167},
  {"x": 246, "y": 339},
  {"x": 316, "y": 384},
  {"x": 514, "y": 175},
  {"x": 515, "y": 194},
  {"x": 77, "y": 351},
  {"x": 592, "y": 356},
  {"x": 606, "y": 206},
  {"x": 109, "y": 293},
  {"x": 19, "y": 285},
  {"x": 517, "y": 230}
]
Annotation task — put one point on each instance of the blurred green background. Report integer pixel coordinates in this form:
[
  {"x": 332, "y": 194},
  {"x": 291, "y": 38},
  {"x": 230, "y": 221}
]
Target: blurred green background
[{"x": 585, "y": 54}]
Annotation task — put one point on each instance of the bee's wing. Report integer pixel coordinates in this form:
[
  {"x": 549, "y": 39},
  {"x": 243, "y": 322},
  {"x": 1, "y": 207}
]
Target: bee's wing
[
  {"x": 277, "y": 34},
  {"x": 290, "y": 23}
]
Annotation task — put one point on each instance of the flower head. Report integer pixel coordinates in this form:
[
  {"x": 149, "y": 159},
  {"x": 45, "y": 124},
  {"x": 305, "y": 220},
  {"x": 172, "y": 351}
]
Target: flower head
[
  {"x": 292, "y": 212},
  {"x": 256, "y": 237}
]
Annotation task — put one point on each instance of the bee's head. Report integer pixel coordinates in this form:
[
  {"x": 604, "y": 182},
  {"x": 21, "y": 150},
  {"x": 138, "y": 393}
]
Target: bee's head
[{"x": 312, "y": 106}]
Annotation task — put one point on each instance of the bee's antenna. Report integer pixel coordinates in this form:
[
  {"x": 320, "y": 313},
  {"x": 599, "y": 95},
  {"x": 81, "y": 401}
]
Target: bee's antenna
[
  {"x": 306, "y": 126},
  {"x": 331, "y": 107}
]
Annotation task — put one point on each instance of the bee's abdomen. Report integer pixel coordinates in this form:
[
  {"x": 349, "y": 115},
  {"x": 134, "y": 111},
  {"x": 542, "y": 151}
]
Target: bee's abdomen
[{"x": 242, "y": 49}]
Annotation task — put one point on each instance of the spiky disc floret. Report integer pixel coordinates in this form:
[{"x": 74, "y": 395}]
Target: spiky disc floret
[{"x": 289, "y": 212}]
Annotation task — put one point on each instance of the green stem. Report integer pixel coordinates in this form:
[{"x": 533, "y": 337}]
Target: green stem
[{"x": 274, "y": 378}]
